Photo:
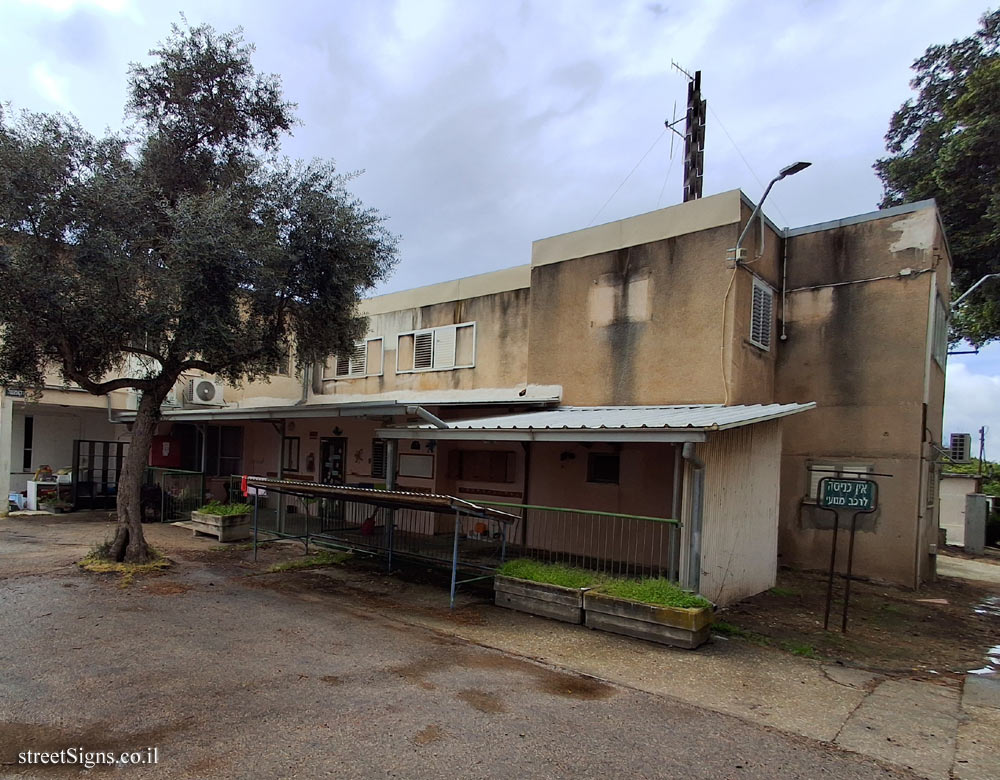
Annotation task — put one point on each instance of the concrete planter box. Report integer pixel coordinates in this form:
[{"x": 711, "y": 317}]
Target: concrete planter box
[
  {"x": 539, "y": 598},
  {"x": 685, "y": 627},
  {"x": 226, "y": 528}
]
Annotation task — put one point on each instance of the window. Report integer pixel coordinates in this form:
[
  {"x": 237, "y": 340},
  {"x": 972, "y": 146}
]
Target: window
[
  {"x": 437, "y": 349},
  {"x": 29, "y": 436},
  {"x": 378, "y": 458},
  {"x": 939, "y": 348},
  {"x": 223, "y": 450},
  {"x": 603, "y": 468},
  {"x": 364, "y": 360},
  {"x": 761, "y": 314},
  {"x": 932, "y": 485},
  {"x": 290, "y": 454},
  {"x": 285, "y": 362},
  {"x": 818, "y": 471},
  {"x": 481, "y": 466},
  {"x": 416, "y": 466}
]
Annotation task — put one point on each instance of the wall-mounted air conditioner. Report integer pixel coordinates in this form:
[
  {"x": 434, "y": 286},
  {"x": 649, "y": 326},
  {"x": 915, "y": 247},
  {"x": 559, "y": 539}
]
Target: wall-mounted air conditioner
[
  {"x": 960, "y": 448},
  {"x": 204, "y": 392},
  {"x": 134, "y": 396}
]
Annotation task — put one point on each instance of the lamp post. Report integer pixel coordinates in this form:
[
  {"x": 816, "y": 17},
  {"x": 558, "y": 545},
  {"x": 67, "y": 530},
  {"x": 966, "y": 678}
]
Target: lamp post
[{"x": 736, "y": 253}]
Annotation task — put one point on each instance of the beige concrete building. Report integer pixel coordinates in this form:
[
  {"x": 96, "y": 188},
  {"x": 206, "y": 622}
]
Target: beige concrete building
[{"x": 632, "y": 368}]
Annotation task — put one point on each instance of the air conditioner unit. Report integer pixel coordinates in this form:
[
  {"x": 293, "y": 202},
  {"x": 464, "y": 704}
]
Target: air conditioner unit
[
  {"x": 960, "y": 448},
  {"x": 204, "y": 392},
  {"x": 134, "y": 396}
]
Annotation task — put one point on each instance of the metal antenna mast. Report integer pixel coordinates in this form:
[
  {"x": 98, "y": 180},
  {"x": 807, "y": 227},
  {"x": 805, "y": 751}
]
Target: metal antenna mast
[{"x": 694, "y": 136}]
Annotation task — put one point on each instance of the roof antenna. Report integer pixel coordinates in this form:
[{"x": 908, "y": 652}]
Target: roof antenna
[{"x": 694, "y": 135}]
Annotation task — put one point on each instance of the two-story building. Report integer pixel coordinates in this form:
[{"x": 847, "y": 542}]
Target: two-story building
[{"x": 633, "y": 367}]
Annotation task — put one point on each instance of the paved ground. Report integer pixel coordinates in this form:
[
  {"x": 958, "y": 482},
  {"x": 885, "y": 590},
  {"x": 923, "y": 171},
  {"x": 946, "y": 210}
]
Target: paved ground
[{"x": 346, "y": 672}]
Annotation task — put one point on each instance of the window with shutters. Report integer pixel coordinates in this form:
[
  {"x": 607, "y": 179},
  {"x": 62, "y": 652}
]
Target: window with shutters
[
  {"x": 761, "y": 314},
  {"x": 364, "y": 360},
  {"x": 481, "y": 466},
  {"x": 818, "y": 471},
  {"x": 437, "y": 349},
  {"x": 378, "y": 458}
]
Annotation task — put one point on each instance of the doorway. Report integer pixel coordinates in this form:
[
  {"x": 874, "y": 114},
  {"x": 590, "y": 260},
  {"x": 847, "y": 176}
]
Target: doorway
[{"x": 332, "y": 471}]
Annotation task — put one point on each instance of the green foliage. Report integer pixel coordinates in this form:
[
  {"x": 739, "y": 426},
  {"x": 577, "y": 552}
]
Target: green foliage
[
  {"x": 225, "y": 510},
  {"x": 659, "y": 591},
  {"x": 549, "y": 573},
  {"x": 186, "y": 243},
  {"x": 990, "y": 472},
  {"x": 945, "y": 144}
]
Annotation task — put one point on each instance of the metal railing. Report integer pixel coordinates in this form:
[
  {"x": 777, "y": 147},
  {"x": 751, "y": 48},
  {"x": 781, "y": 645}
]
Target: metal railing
[
  {"x": 612, "y": 543},
  {"x": 171, "y": 494},
  {"x": 608, "y": 542}
]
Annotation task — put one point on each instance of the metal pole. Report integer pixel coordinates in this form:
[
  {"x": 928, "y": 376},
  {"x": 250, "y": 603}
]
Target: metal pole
[
  {"x": 256, "y": 503},
  {"x": 833, "y": 563},
  {"x": 850, "y": 564},
  {"x": 454, "y": 558},
  {"x": 391, "y": 446}
]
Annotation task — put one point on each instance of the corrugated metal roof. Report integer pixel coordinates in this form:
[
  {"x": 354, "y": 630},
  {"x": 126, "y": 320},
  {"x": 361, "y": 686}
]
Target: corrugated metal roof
[{"x": 702, "y": 417}]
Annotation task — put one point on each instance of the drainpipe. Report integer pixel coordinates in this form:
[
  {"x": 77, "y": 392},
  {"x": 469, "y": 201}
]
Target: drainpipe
[
  {"x": 697, "y": 501},
  {"x": 423, "y": 414}
]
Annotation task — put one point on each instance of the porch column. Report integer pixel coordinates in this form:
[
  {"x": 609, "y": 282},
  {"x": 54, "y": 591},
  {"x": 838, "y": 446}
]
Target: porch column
[{"x": 6, "y": 442}]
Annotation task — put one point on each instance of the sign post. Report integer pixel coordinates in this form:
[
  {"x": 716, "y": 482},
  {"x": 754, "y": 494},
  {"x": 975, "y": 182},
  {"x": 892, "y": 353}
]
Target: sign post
[{"x": 843, "y": 495}]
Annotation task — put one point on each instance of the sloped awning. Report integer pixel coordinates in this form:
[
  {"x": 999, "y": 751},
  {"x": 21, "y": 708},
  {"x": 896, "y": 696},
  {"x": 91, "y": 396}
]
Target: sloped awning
[{"x": 603, "y": 423}]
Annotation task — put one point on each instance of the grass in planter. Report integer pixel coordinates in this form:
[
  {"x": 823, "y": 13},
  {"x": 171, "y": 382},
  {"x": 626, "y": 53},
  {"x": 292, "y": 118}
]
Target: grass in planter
[
  {"x": 224, "y": 510},
  {"x": 659, "y": 591},
  {"x": 549, "y": 573}
]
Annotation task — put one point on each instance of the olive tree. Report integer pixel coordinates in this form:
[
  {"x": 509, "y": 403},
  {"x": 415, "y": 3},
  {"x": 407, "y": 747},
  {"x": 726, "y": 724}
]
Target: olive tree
[{"x": 183, "y": 242}]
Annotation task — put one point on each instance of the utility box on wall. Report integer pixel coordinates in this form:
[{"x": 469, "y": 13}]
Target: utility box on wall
[
  {"x": 165, "y": 453},
  {"x": 975, "y": 523}
]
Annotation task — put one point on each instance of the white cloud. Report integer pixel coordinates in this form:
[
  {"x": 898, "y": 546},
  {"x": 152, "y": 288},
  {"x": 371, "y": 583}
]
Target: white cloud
[
  {"x": 52, "y": 87},
  {"x": 69, "y": 6},
  {"x": 971, "y": 401}
]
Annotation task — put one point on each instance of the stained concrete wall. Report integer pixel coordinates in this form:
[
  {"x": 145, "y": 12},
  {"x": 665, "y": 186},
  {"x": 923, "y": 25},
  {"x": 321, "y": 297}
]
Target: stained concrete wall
[
  {"x": 859, "y": 345},
  {"x": 662, "y": 321}
]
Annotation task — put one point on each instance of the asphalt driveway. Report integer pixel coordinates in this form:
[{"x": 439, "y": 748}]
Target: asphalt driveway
[{"x": 228, "y": 674}]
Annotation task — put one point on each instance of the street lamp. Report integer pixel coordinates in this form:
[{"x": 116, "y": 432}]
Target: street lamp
[{"x": 736, "y": 253}]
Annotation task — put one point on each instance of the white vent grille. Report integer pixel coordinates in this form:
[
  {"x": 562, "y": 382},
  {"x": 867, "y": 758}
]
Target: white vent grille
[{"x": 760, "y": 315}]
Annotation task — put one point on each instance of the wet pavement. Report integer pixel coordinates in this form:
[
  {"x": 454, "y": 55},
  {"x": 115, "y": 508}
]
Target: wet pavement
[{"x": 233, "y": 673}]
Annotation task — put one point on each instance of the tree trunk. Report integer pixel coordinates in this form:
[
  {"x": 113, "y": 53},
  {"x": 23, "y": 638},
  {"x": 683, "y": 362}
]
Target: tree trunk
[{"x": 129, "y": 543}]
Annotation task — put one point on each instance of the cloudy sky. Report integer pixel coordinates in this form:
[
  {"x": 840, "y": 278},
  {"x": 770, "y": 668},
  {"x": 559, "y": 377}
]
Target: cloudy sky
[{"x": 481, "y": 126}]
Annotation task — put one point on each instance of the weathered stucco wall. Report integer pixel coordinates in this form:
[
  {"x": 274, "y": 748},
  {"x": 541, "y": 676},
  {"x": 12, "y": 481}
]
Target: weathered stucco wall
[
  {"x": 858, "y": 345},
  {"x": 501, "y": 347}
]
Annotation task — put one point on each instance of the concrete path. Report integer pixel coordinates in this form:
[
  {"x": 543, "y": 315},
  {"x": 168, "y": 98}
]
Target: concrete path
[{"x": 968, "y": 569}]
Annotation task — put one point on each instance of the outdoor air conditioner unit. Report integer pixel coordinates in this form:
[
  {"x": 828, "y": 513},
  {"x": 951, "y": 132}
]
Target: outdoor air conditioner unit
[
  {"x": 204, "y": 392},
  {"x": 960, "y": 448},
  {"x": 134, "y": 396}
]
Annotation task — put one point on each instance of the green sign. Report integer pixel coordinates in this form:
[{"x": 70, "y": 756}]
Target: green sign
[{"x": 859, "y": 495}]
